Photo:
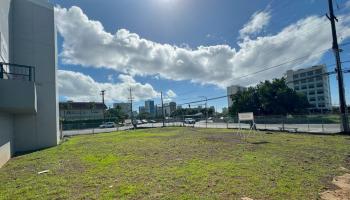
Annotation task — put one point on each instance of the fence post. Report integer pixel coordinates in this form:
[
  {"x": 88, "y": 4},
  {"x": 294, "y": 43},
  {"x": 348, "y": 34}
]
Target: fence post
[
  {"x": 308, "y": 124},
  {"x": 283, "y": 123},
  {"x": 322, "y": 125}
]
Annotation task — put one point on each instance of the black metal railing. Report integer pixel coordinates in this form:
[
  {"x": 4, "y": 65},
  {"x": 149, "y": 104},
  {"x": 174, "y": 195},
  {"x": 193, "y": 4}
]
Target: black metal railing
[{"x": 17, "y": 72}]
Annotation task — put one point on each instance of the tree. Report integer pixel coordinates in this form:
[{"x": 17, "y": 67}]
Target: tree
[{"x": 269, "y": 98}]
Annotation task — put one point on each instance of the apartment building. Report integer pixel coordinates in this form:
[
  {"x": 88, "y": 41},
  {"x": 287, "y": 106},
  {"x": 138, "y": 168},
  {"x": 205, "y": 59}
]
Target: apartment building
[
  {"x": 231, "y": 90},
  {"x": 71, "y": 111},
  {"x": 28, "y": 104},
  {"x": 314, "y": 83}
]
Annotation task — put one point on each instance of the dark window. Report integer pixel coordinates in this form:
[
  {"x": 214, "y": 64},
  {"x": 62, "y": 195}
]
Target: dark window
[
  {"x": 310, "y": 73},
  {"x": 303, "y": 87},
  {"x": 318, "y": 71},
  {"x": 312, "y": 92},
  {"x": 302, "y": 74},
  {"x": 310, "y": 80},
  {"x": 295, "y": 76},
  {"x": 296, "y": 88},
  {"x": 319, "y": 85},
  {"x": 303, "y": 81},
  {"x": 311, "y": 86}
]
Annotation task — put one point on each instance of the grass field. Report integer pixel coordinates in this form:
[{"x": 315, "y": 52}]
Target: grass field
[{"x": 178, "y": 163}]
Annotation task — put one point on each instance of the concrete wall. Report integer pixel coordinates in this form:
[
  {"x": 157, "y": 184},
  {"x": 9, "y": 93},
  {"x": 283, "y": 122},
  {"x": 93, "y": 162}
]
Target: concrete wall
[
  {"x": 6, "y": 120},
  {"x": 6, "y": 124},
  {"x": 33, "y": 42}
]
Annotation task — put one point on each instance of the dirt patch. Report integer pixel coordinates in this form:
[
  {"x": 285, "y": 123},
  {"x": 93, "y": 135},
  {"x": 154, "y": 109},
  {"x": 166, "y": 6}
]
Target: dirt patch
[
  {"x": 223, "y": 138},
  {"x": 343, "y": 189}
]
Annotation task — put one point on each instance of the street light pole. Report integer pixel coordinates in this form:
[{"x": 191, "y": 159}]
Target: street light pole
[{"x": 103, "y": 102}]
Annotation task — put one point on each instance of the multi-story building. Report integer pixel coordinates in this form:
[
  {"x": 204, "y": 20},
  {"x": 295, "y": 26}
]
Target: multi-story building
[
  {"x": 149, "y": 107},
  {"x": 72, "y": 111},
  {"x": 169, "y": 108},
  {"x": 142, "y": 109},
  {"x": 231, "y": 90},
  {"x": 28, "y": 106},
  {"x": 314, "y": 83},
  {"x": 125, "y": 108}
]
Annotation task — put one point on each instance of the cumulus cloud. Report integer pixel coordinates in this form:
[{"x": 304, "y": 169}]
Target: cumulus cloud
[
  {"x": 80, "y": 87},
  {"x": 257, "y": 22},
  {"x": 86, "y": 43}
]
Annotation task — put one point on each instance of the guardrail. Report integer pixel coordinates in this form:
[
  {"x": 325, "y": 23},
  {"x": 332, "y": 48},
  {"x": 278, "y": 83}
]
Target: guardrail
[{"x": 17, "y": 72}]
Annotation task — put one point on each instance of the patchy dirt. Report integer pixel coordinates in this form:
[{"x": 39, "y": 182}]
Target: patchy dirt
[{"x": 343, "y": 189}]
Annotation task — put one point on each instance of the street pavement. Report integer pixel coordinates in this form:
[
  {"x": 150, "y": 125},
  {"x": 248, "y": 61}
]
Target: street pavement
[{"x": 311, "y": 128}]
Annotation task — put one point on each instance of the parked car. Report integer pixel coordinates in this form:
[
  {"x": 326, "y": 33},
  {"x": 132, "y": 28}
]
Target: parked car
[
  {"x": 189, "y": 121},
  {"x": 144, "y": 121},
  {"x": 108, "y": 125},
  {"x": 152, "y": 121}
]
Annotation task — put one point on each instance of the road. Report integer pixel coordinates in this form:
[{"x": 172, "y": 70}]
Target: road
[{"x": 312, "y": 128}]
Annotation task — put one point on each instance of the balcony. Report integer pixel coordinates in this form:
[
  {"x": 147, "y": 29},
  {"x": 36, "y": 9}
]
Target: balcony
[{"x": 17, "y": 87}]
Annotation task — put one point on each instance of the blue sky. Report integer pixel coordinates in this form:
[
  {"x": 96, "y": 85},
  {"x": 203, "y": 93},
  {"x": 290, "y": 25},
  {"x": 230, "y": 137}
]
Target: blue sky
[{"x": 189, "y": 24}]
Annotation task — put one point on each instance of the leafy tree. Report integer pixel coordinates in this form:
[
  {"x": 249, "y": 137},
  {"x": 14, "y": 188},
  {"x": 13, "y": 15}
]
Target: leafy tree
[{"x": 269, "y": 98}]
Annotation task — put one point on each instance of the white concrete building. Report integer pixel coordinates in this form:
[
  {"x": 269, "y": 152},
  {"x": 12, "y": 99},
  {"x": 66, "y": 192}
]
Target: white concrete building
[
  {"x": 231, "y": 90},
  {"x": 29, "y": 101},
  {"x": 314, "y": 83}
]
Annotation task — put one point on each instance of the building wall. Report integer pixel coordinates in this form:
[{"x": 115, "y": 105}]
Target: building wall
[
  {"x": 313, "y": 84},
  {"x": 81, "y": 114},
  {"x": 6, "y": 124},
  {"x": 231, "y": 91},
  {"x": 6, "y": 120},
  {"x": 33, "y": 43}
]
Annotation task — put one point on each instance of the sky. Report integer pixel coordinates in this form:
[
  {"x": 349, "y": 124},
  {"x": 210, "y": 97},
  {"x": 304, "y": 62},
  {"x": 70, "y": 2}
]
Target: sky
[{"x": 188, "y": 49}]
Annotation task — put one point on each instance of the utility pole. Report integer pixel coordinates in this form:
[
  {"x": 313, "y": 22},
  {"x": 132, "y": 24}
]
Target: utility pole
[
  {"x": 131, "y": 111},
  {"x": 161, "y": 97},
  {"x": 206, "y": 111},
  {"x": 103, "y": 102},
  {"x": 336, "y": 50}
]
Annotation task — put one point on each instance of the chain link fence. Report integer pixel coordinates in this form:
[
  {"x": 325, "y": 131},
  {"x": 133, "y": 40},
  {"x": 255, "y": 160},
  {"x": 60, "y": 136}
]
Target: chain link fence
[{"x": 329, "y": 123}]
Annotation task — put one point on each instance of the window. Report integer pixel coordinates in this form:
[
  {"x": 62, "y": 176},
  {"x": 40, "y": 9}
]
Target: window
[
  {"x": 295, "y": 76},
  {"x": 320, "y": 98},
  {"x": 318, "y": 71},
  {"x": 310, "y": 73},
  {"x": 311, "y": 86},
  {"x": 310, "y": 80},
  {"x": 312, "y": 99},
  {"x": 303, "y": 81},
  {"x": 296, "y": 82},
  {"x": 303, "y": 87},
  {"x": 302, "y": 74},
  {"x": 319, "y": 78},
  {"x": 319, "y": 85},
  {"x": 296, "y": 88},
  {"x": 312, "y": 92},
  {"x": 321, "y": 105},
  {"x": 320, "y": 92}
]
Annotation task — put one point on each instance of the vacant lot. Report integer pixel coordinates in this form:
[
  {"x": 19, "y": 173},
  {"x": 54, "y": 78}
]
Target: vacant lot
[{"x": 179, "y": 163}]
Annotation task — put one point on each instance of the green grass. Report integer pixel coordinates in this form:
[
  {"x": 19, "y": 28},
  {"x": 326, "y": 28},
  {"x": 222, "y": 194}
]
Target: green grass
[{"x": 178, "y": 163}]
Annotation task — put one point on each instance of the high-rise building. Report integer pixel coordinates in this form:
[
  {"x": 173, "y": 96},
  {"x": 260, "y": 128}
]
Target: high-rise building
[
  {"x": 28, "y": 104},
  {"x": 314, "y": 83},
  {"x": 124, "y": 107},
  {"x": 169, "y": 108},
  {"x": 149, "y": 107},
  {"x": 231, "y": 90},
  {"x": 142, "y": 109}
]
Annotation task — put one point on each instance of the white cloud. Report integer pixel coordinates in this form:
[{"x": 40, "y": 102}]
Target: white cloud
[
  {"x": 79, "y": 87},
  {"x": 86, "y": 43},
  {"x": 171, "y": 94},
  {"x": 257, "y": 22}
]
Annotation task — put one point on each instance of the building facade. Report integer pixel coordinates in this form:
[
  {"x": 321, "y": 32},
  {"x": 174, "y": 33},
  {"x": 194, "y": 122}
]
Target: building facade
[
  {"x": 231, "y": 90},
  {"x": 72, "y": 111},
  {"x": 125, "y": 108},
  {"x": 29, "y": 104},
  {"x": 313, "y": 82},
  {"x": 169, "y": 108},
  {"x": 149, "y": 106}
]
